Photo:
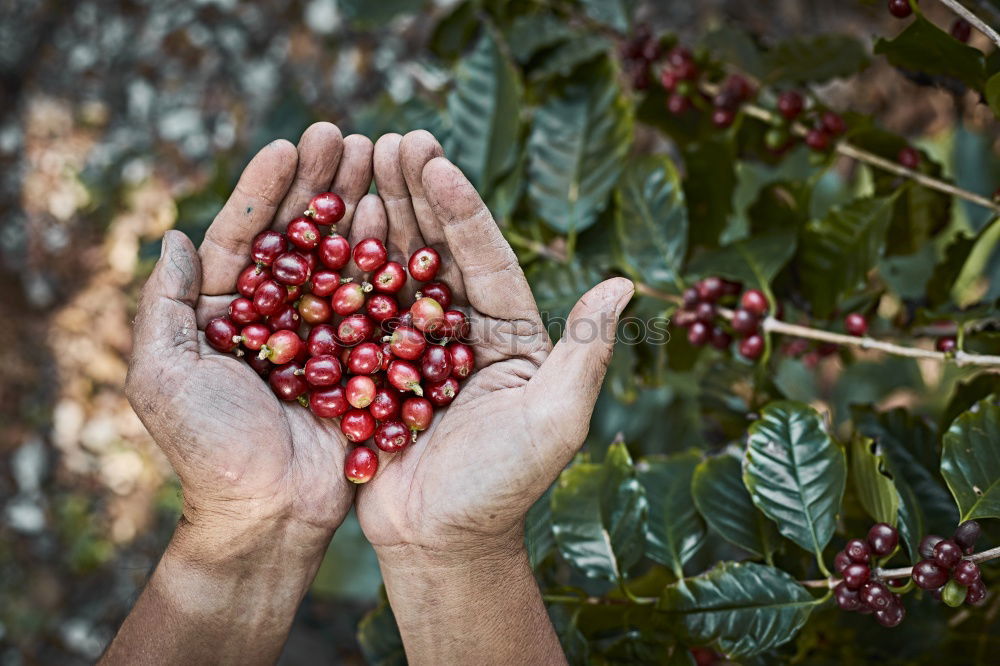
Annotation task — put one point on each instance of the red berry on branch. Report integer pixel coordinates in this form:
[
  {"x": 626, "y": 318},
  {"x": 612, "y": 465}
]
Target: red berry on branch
[
  {"x": 744, "y": 323},
  {"x": 719, "y": 339},
  {"x": 360, "y": 465},
  {"x": 858, "y": 551},
  {"x": 946, "y": 345},
  {"x": 790, "y": 104},
  {"x": 847, "y": 599},
  {"x": 927, "y": 575},
  {"x": 326, "y": 208},
  {"x": 698, "y": 334},
  {"x": 705, "y": 313},
  {"x": 678, "y": 104},
  {"x": 926, "y": 547},
  {"x": 856, "y": 575},
  {"x": 723, "y": 118},
  {"x": 855, "y": 324},
  {"x": 909, "y": 157},
  {"x": 669, "y": 79},
  {"x": 754, "y": 302},
  {"x": 966, "y": 535},
  {"x": 710, "y": 289},
  {"x": 900, "y": 8},
  {"x": 892, "y": 615},
  {"x": 883, "y": 538},
  {"x": 752, "y": 348},
  {"x": 966, "y": 573},
  {"x": 841, "y": 561},
  {"x": 961, "y": 30},
  {"x": 876, "y": 595},
  {"x": 833, "y": 123},
  {"x": 818, "y": 140},
  {"x": 976, "y": 594},
  {"x": 947, "y": 553},
  {"x": 690, "y": 297},
  {"x": 679, "y": 55}
]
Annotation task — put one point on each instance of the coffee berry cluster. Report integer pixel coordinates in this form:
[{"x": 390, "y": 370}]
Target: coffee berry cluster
[
  {"x": 860, "y": 589},
  {"x": 946, "y": 572},
  {"x": 699, "y": 315},
  {"x": 346, "y": 348}
]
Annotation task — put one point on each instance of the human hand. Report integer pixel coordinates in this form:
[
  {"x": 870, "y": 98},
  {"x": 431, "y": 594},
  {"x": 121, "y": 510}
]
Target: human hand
[
  {"x": 462, "y": 490},
  {"x": 252, "y": 468}
]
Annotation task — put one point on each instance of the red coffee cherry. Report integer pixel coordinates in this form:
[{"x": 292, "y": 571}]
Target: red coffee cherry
[{"x": 360, "y": 465}]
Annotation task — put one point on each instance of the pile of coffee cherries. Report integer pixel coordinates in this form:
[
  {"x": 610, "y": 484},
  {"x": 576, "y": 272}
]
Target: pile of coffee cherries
[
  {"x": 347, "y": 348},
  {"x": 946, "y": 572},
  {"x": 859, "y": 590}
]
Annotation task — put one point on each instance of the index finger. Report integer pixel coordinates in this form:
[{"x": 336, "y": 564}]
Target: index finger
[
  {"x": 249, "y": 210},
  {"x": 493, "y": 279}
]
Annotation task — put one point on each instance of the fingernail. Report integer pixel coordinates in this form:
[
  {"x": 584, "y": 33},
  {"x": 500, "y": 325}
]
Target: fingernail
[
  {"x": 624, "y": 299},
  {"x": 163, "y": 246}
]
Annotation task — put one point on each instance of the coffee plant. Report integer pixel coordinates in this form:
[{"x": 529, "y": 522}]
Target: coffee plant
[{"x": 817, "y": 429}]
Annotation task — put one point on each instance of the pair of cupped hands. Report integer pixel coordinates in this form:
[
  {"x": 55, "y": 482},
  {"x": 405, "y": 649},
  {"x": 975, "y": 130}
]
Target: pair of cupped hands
[{"x": 254, "y": 468}]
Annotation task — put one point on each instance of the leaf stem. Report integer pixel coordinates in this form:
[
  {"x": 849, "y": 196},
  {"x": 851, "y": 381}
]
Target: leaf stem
[
  {"x": 976, "y": 22},
  {"x": 901, "y": 572},
  {"x": 852, "y": 151}
]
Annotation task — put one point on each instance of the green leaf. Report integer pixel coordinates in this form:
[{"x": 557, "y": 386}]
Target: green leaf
[
  {"x": 577, "y": 149},
  {"x": 968, "y": 393},
  {"x": 815, "y": 60},
  {"x": 755, "y": 261},
  {"x": 651, "y": 221},
  {"x": 976, "y": 269},
  {"x": 709, "y": 186},
  {"x": 531, "y": 33},
  {"x": 485, "y": 109},
  {"x": 795, "y": 473},
  {"x": 674, "y": 531},
  {"x": 924, "y": 47},
  {"x": 872, "y": 481},
  {"x": 557, "y": 287},
  {"x": 731, "y": 44},
  {"x": 725, "y": 504},
  {"x": 615, "y": 13},
  {"x": 565, "y": 58},
  {"x": 379, "y": 638},
  {"x": 370, "y": 14},
  {"x": 538, "y": 538},
  {"x": 599, "y": 515},
  {"x": 946, "y": 272},
  {"x": 970, "y": 460},
  {"x": 455, "y": 30},
  {"x": 744, "y": 608},
  {"x": 837, "y": 251}
]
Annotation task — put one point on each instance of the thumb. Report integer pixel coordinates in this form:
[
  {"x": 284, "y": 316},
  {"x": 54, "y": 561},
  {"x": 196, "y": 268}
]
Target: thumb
[
  {"x": 562, "y": 393},
  {"x": 165, "y": 328}
]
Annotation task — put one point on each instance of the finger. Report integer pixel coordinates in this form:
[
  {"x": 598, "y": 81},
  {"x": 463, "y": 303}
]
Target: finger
[
  {"x": 494, "y": 282},
  {"x": 320, "y": 149},
  {"x": 166, "y": 334},
  {"x": 249, "y": 210},
  {"x": 209, "y": 307},
  {"x": 403, "y": 238},
  {"x": 354, "y": 177},
  {"x": 415, "y": 150},
  {"x": 370, "y": 221},
  {"x": 560, "y": 397}
]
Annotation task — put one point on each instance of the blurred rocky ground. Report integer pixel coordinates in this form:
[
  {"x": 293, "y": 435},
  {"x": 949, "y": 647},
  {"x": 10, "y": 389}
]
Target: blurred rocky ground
[{"x": 120, "y": 119}]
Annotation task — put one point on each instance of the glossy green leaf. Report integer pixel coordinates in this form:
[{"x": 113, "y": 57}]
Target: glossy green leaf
[
  {"x": 485, "y": 108},
  {"x": 837, "y": 251},
  {"x": 946, "y": 271},
  {"x": 730, "y": 43},
  {"x": 531, "y": 33},
  {"x": 968, "y": 393},
  {"x": 651, "y": 221},
  {"x": 599, "y": 515},
  {"x": 872, "y": 481},
  {"x": 538, "y": 538},
  {"x": 725, "y": 504},
  {"x": 557, "y": 287},
  {"x": 371, "y": 14},
  {"x": 453, "y": 32},
  {"x": 924, "y": 47},
  {"x": 970, "y": 460},
  {"x": 815, "y": 59},
  {"x": 755, "y": 261},
  {"x": 615, "y": 13},
  {"x": 795, "y": 473},
  {"x": 674, "y": 530},
  {"x": 577, "y": 149},
  {"x": 709, "y": 184},
  {"x": 565, "y": 58},
  {"x": 378, "y": 636},
  {"x": 744, "y": 608}
]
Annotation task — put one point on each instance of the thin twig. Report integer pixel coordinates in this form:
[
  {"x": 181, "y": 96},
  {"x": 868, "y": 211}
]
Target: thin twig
[
  {"x": 901, "y": 572},
  {"x": 976, "y": 22},
  {"x": 852, "y": 151}
]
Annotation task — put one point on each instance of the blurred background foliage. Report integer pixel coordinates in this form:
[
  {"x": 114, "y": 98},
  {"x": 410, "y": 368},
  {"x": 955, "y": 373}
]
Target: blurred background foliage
[{"x": 123, "y": 118}]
